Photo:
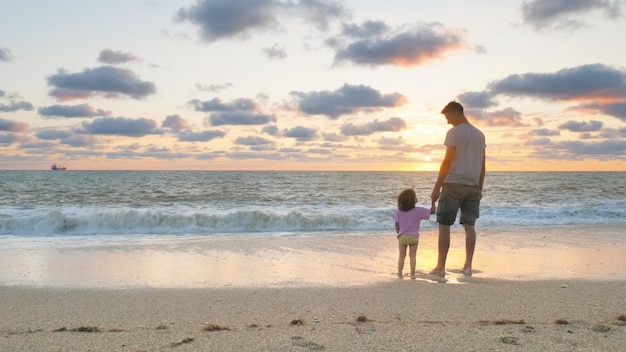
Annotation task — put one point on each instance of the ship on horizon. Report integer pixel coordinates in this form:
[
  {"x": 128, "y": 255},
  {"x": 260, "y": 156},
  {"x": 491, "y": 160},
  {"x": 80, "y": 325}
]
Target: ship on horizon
[{"x": 57, "y": 167}]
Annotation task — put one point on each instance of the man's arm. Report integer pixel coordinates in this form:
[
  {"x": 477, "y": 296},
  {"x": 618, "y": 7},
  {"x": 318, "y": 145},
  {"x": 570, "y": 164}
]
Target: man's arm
[
  {"x": 482, "y": 172},
  {"x": 443, "y": 171}
]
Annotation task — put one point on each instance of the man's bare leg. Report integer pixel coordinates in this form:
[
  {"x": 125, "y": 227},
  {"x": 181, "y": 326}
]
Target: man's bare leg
[
  {"x": 470, "y": 245},
  {"x": 443, "y": 246}
]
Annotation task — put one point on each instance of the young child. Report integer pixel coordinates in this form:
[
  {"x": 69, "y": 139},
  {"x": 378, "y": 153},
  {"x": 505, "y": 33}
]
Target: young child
[{"x": 408, "y": 218}]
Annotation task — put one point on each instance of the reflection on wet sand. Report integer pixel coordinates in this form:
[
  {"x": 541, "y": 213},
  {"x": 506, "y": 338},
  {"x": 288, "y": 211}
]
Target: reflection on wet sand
[{"x": 292, "y": 261}]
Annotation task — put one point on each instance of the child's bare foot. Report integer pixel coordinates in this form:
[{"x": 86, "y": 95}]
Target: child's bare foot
[
  {"x": 400, "y": 275},
  {"x": 467, "y": 271}
]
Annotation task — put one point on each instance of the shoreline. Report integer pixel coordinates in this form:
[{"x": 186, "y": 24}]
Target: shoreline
[
  {"x": 333, "y": 260},
  {"x": 485, "y": 315}
]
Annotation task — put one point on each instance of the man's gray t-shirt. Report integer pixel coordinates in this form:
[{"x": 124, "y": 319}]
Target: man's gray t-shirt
[{"x": 468, "y": 159}]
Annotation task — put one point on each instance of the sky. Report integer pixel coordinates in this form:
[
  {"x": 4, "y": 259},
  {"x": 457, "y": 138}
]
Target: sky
[{"x": 310, "y": 84}]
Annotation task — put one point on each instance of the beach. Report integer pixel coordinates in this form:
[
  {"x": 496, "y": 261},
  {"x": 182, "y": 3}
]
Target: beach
[
  {"x": 550, "y": 289},
  {"x": 484, "y": 315}
]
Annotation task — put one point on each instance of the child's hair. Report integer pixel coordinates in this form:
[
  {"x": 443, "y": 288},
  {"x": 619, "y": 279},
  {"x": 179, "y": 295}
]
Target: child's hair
[{"x": 407, "y": 199}]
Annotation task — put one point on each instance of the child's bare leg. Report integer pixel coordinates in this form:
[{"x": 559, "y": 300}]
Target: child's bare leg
[
  {"x": 401, "y": 257},
  {"x": 413, "y": 257},
  {"x": 470, "y": 245}
]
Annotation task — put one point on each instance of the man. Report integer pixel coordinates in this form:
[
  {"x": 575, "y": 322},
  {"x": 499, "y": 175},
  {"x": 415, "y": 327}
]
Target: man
[{"x": 459, "y": 185}]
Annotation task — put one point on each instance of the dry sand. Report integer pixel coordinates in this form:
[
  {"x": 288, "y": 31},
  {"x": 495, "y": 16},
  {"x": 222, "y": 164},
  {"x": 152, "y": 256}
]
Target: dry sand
[
  {"x": 403, "y": 315},
  {"x": 543, "y": 289}
]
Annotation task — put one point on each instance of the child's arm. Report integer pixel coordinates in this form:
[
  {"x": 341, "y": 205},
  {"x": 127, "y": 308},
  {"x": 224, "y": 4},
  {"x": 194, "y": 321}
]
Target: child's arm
[
  {"x": 433, "y": 209},
  {"x": 397, "y": 227}
]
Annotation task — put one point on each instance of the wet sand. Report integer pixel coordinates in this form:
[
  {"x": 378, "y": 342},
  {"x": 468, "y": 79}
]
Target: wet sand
[
  {"x": 552, "y": 289},
  {"x": 528, "y": 253}
]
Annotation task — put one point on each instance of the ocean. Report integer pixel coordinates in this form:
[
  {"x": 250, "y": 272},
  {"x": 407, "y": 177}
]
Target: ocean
[
  {"x": 186, "y": 229},
  {"x": 132, "y": 204}
]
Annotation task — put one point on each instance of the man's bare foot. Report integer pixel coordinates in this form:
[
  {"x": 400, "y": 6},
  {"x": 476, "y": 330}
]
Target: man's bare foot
[
  {"x": 438, "y": 272},
  {"x": 400, "y": 275},
  {"x": 467, "y": 271}
]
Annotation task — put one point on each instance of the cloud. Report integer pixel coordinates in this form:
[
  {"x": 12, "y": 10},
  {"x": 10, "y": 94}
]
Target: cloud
[
  {"x": 175, "y": 122},
  {"x": 401, "y": 146},
  {"x": 301, "y": 133},
  {"x": 38, "y": 146},
  {"x": 216, "y": 104},
  {"x": 540, "y": 141},
  {"x": 15, "y": 106},
  {"x": 617, "y": 109},
  {"x": 239, "y": 118},
  {"x": 410, "y": 45},
  {"x": 507, "y": 117},
  {"x": 272, "y": 130},
  {"x": 318, "y": 12},
  {"x": 597, "y": 88},
  {"x": 220, "y": 19},
  {"x": 290, "y": 150},
  {"x": 565, "y": 14},
  {"x": 108, "y": 81},
  {"x": 71, "y": 111},
  {"x": 53, "y": 134},
  {"x": 320, "y": 151},
  {"x": 609, "y": 148},
  {"x": 588, "y": 82},
  {"x": 242, "y": 111},
  {"x": 613, "y": 133},
  {"x": 120, "y": 126},
  {"x": 584, "y": 126},
  {"x": 79, "y": 141},
  {"x": 274, "y": 52},
  {"x": 12, "y": 126},
  {"x": 365, "y": 30},
  {"x": 334, "y": 137},
  {"x": 225, "y": 19},
  {"x": 346, "y": 100},
  {"x": 394, "y": 124},
  {"x": 204, "y": 136},
  {"x": 9, "y": 138},
  {"x": 544, "y": 132},
  {"x": 253, "y": 141},
  {"x": 5, "y": 55},
  {"x": 14, "y": 95},
  {"x": 479, "y": 100},
  {"x": 397, "y": 141},
  {"x": 213, "y": 87},
  {"x": 109, "y": 56}
]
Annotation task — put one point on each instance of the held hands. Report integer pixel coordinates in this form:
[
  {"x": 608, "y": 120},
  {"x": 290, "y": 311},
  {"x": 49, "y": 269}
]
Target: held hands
[
  {"x": 435, "y": 195},
  {"x": 433, "y": 198}
]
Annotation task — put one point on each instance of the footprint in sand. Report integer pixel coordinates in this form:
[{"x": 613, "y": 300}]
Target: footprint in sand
[
  {"x": 299, "y": 341},
  {"x": 509, "y": 340}
]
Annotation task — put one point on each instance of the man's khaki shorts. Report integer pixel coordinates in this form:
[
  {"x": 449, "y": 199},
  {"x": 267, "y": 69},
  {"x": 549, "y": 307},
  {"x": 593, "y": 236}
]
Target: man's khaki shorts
[{"x": 455, "y": 196}]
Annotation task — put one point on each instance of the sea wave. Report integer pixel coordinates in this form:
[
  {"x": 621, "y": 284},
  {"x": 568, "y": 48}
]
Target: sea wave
[
  {"x": 276, "y": 220},
  {"x": 138, "y": 221},
  {"x": 275, "y": 203}
]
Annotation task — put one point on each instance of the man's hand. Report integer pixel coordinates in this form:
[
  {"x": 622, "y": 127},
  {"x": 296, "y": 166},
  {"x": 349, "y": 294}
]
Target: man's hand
[{"x": 435, "y": 195}]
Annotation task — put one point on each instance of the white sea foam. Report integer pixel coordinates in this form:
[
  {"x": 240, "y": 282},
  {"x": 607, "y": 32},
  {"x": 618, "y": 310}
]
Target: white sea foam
[{"x": 205, "y": 203}]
